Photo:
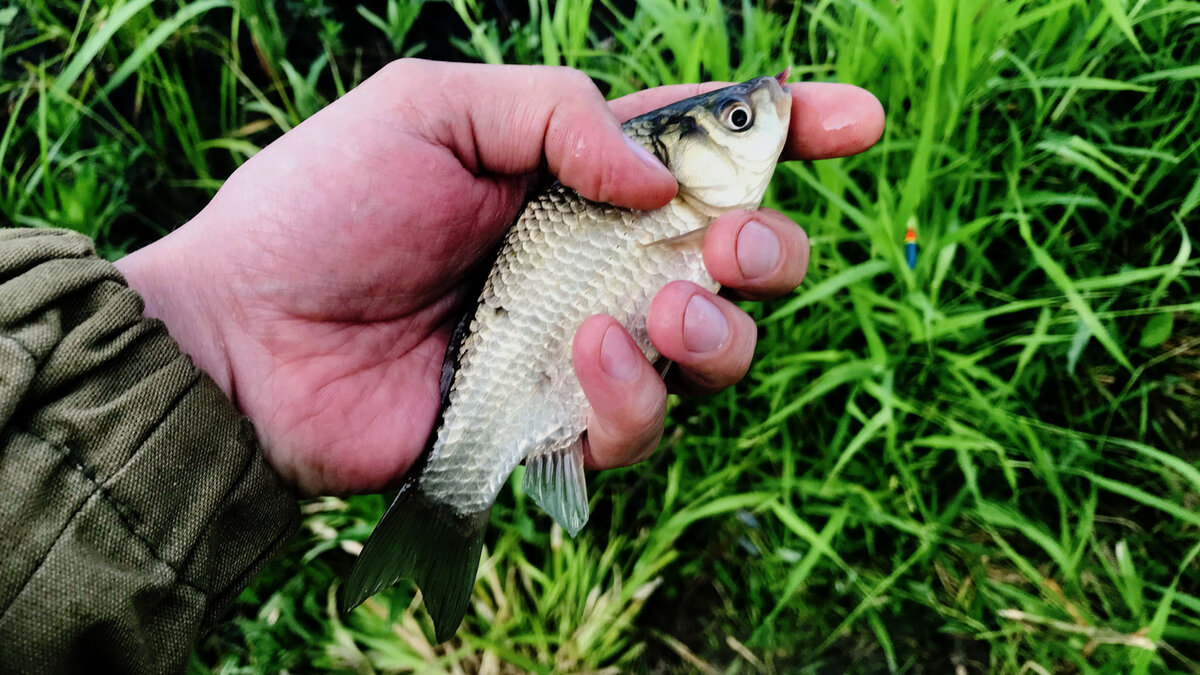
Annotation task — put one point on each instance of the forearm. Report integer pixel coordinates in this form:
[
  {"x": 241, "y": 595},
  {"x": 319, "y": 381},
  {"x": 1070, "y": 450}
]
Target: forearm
[{"x": 135, "y": 502}]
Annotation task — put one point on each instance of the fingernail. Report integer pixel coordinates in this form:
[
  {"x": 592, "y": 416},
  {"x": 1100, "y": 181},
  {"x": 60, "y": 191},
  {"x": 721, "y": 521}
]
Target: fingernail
[
  {"x": 704, "y": 327},
  {"x": 618, "y": 355},
  {"x": 643, "y": 154},
  {"x": 757, "y": 249}
]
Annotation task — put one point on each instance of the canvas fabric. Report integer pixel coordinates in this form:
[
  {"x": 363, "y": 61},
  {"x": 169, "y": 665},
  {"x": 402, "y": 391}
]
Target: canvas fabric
[{"x": 135, "y": 504}]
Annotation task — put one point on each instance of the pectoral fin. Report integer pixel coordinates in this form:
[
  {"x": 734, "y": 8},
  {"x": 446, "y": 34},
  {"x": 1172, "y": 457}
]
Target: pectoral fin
[
  {"x": 554, "y": 478},
  {"x": 663, "y": 366},
  {"x": 693, "y": 240}
]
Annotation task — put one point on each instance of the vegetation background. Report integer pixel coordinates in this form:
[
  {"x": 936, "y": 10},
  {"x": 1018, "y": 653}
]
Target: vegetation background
[{"x": 988, "y": 463}]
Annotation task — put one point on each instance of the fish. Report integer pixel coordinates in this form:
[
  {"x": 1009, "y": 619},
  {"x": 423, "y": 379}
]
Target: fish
[{"x": 509, "y": 390}]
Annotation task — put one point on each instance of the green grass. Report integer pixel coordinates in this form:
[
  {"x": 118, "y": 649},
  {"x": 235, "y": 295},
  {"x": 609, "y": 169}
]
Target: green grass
[{"x": 991, "y": 461}]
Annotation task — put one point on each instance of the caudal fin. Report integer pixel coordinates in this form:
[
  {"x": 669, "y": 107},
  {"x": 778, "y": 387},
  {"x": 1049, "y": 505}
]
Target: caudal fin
[{"x": 426, "y": 542}]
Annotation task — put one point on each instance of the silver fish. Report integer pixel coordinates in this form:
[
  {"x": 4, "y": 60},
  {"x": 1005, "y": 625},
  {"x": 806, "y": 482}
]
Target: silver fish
[{"x": 509, "y": 391}]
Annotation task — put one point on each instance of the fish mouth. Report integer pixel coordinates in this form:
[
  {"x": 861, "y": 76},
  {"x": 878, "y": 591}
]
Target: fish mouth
[
  {"x": 781, "y": 96},
  {"x": 778, "y": 91},
  {"x": 783, "y": 103}
]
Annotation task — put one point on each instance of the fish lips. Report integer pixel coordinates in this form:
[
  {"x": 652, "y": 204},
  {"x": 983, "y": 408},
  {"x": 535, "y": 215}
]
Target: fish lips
[{"x": 781, "y": 96}]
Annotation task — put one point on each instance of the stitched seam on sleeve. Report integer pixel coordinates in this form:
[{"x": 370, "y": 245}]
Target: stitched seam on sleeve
[
  {"x": 98, "y": 490},
  {"x": 73, "y": 460}
]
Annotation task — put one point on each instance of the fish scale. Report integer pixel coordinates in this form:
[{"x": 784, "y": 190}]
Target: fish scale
[
  {"x": 510, "y": 393},
  {"x": 612, "y": 271}
]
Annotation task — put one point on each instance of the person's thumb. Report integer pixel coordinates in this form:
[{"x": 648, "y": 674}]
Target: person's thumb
[{"x": 505, "y": 119}]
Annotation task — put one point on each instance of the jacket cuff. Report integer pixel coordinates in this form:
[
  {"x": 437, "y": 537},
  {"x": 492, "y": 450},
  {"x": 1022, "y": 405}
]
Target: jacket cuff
[{"x": 135, "y": 503}]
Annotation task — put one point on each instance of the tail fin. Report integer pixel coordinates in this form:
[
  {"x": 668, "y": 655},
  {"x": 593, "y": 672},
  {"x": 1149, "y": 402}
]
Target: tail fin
[{"x": 424, "y": 541}]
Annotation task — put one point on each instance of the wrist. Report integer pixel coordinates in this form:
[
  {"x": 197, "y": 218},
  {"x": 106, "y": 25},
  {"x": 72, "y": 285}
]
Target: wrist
[{"x": 167, "y": 275}]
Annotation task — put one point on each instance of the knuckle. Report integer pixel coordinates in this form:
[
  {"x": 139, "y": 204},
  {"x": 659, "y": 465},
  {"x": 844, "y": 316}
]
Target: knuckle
[
  {"x": 603, "y": 181},
  {"x": 401, "y": 69},
  {"x": 646, "y": 419},
  {"x": 574, "y": 79}
]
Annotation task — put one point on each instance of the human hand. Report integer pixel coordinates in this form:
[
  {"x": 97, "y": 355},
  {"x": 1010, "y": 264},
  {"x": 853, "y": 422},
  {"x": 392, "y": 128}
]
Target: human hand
[{"x": 320, "y": 285}]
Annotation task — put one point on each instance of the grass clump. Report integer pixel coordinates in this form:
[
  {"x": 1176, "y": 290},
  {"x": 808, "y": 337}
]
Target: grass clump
[{"x": 988, "y": 462}]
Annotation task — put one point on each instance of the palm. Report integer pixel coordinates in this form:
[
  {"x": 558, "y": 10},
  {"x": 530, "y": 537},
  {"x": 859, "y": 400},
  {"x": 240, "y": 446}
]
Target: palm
[{"x": 349, "y": 324}]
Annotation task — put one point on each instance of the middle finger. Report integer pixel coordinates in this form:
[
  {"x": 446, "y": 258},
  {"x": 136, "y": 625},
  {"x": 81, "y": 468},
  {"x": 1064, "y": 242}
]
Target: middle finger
[{"x": 759, "y": 254}]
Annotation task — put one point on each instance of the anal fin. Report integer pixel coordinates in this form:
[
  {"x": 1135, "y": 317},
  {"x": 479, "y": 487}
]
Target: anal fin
[{"x": 554, "y": 479}]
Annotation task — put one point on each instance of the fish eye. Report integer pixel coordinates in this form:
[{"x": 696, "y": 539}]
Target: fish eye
[{"x": 737, "y": 116}]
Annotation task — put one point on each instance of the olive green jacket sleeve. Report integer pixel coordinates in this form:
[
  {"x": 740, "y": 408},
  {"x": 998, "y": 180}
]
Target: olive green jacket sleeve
[{"x": 134, "y": 501}]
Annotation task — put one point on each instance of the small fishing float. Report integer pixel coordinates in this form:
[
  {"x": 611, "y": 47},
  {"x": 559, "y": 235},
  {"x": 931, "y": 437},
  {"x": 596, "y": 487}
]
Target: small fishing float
[{"x": 910, "y": 246}]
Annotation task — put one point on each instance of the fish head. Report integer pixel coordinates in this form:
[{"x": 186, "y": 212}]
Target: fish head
[{"x": 722, "y": 146}]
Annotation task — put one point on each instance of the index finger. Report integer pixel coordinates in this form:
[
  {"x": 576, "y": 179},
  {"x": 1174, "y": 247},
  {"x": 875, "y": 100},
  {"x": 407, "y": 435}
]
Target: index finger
[{"x": 828, "y": 119}]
